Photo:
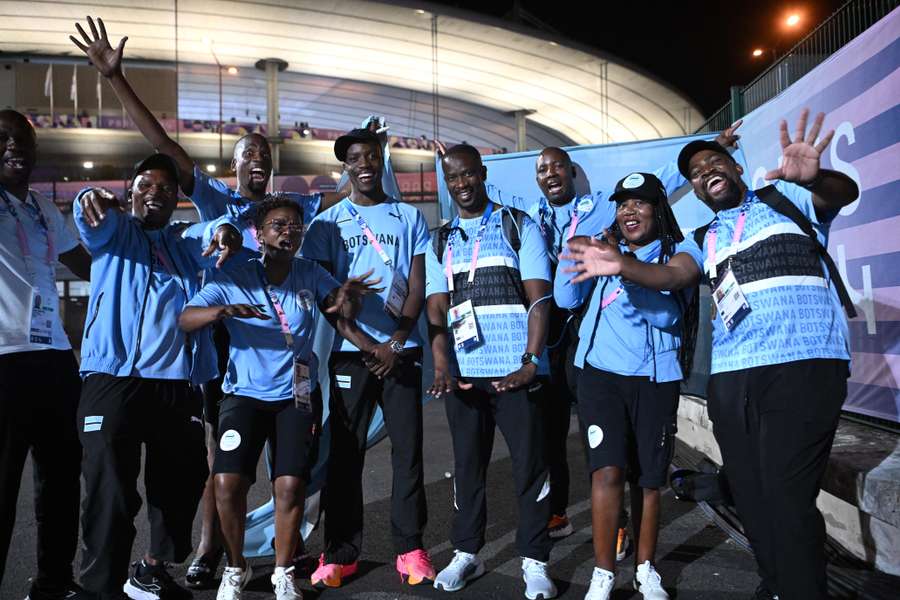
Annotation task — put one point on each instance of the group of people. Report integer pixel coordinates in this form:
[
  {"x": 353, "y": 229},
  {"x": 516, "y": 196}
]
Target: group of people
[{"x": 594, "y": 297}]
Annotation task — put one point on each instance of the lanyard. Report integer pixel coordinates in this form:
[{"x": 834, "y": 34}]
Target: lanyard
[
  {"x": 361, "y": 222},
  {"x": 279, "y": 312},
  {"x": 735, "y": 239},
  {"x": 613, "y": 295},
  {"x": 546, "y": 210},
  {"x": 474, "y": 264},
  {"x": 21, "y": 235}
]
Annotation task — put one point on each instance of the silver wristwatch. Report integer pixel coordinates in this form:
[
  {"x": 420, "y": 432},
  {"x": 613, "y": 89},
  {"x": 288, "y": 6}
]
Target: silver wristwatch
[{"x": 396, "y": 346}]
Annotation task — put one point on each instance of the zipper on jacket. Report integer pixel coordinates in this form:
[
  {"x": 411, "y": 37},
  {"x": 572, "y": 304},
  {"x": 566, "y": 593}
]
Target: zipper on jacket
[
  {"x": 87, "y": 332},
  {"x": 137, "y": 345}
]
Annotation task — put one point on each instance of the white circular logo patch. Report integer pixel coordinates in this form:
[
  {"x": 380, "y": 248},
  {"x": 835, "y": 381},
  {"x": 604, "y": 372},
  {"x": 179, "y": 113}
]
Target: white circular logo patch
[
  {"x": 585, "y": 204},
  {"x": 230, "y": 440},
  {"x": 595, "y": 436},
  {"x": 634, "y": 180}
]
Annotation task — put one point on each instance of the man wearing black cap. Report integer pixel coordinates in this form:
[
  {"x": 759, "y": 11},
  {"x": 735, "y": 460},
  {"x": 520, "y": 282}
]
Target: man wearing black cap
[
  {"x": 371, "y": 232},
  {"x": 138, "y": 368},
  {"x": 780, "y": 345}
]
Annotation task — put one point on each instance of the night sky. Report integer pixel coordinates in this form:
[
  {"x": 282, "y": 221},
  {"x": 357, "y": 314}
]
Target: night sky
[{"x": 699, "y": 47}]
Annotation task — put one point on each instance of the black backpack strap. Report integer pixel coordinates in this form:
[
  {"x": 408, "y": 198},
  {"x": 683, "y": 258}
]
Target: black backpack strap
[
  {"x": 780, "y": 204},
  {"x": 700, "y": 235},
  {"x": 439, "y": 240},
  {"x": 512, "y": 220}
]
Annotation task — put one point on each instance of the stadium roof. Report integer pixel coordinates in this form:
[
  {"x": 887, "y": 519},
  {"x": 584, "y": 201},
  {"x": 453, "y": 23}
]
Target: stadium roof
[{"x": 578, "y": 92}]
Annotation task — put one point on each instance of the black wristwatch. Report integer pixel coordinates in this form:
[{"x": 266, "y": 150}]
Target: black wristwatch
[{"x": 529, "y": 358}]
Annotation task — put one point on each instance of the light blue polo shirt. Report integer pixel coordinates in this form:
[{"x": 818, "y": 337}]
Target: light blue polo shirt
[{"x": 259, "y": 362}]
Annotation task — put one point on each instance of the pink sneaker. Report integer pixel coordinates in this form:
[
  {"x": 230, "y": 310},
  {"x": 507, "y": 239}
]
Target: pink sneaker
[
  {"x": 331, "y": 574},
  {"x": 415, "y": 567}
]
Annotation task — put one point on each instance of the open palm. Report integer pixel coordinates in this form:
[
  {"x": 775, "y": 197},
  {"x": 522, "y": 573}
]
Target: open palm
[
  {"x": 96, "y": 47},
  {"x": 801, "y": 156}
]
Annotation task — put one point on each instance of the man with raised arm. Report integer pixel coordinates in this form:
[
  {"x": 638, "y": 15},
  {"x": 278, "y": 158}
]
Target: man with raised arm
[{"x": 780, "y": 353}]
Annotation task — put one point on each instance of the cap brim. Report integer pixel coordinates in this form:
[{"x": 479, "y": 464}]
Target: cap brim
[
  {"x": 163, "y": 162},
  {"x": 684, "y": 157}
]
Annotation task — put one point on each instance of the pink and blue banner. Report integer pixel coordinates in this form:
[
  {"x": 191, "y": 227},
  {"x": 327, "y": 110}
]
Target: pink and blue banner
[{"x": 858, "y": 88}]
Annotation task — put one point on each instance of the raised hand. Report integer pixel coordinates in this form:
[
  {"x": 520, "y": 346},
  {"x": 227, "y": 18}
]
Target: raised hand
[
  {"x": 593, "y": 258},
  {"x": 244, "y": 311},
  {"x": 801, "y": 156},
  {"x": 227, "y": 241},
  {"x": 728, "y": 138},
  {"x": 95, "y": 203},
  {"x": 440, "y": 148},
  {"x": 353, "y": 290},
  {"x": 96, "y": 47}
]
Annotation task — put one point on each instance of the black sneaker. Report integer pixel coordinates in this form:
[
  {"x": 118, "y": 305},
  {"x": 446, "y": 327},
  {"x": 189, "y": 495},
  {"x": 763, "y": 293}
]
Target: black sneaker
[
  {"x": 201, "y": 575},
  {"x": 149, "y": 582},
  {"x": 69, "y": 591}
]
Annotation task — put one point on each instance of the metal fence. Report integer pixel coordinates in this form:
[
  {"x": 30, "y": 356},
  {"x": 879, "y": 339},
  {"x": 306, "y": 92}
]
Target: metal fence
[{"x": 846, "y": 23}]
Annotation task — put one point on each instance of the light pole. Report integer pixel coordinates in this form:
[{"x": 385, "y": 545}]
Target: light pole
[{"x": 209, "y": 44}]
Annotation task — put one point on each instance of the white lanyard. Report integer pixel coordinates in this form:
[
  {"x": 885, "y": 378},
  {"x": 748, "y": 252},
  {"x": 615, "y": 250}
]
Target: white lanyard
[
  {"x": 367, "y": 231},
  {"x": 21, "y": 235}
]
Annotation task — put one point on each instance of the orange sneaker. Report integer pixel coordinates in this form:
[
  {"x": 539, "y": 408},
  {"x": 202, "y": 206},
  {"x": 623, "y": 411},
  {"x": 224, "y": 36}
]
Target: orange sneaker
[
  {"x": 415, "y": 567},
  {"x": 623, "y": 544},
  {"x": 559, "y": 527},
  {"x": 331, "y": 574}
]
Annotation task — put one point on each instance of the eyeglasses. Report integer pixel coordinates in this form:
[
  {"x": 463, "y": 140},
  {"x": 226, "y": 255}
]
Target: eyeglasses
[{"x": 280, "y": 225}]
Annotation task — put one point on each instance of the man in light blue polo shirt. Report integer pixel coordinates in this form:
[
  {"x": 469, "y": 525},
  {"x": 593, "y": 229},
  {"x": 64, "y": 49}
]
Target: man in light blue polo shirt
[
  {"x": 370, "y": 231},
  {"x": 489, "y": 280},
  {"x": 780, "y": 352}
]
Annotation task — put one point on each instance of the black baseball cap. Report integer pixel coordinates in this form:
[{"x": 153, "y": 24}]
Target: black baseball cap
[
  {"x": 684, "y": 157},
  {"x": 163, "y": 162},
  {"x": 354, "y": 136},
  {"x": 645, "y": 186}
]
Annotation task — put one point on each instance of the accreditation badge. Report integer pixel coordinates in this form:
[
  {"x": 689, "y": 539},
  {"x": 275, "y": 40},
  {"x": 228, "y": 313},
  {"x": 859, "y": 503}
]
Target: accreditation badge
[
  {"x": 397, "y": 295},
  {"x": 729, "y": 300},
  {"x": 464, "y": 325},
  {"x": 42, "y": 309}
]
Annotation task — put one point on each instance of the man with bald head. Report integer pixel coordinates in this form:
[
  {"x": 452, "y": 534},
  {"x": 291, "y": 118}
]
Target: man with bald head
[
  {"x": 37, "y": 411},
  {"x": 558, "y": 213}
]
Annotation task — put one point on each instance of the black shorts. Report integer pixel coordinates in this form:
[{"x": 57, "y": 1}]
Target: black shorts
[
  {"x": 628, "y": 422},
  {"x": 246, "y": 423}
]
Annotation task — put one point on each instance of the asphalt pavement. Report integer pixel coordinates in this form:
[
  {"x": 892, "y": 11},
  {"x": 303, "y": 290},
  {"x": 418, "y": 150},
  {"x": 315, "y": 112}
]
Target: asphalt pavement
[{"x": 695, "y": 558}]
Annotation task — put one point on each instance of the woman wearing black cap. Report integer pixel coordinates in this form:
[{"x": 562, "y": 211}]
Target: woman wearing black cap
[{"x": 633, "y": 357}]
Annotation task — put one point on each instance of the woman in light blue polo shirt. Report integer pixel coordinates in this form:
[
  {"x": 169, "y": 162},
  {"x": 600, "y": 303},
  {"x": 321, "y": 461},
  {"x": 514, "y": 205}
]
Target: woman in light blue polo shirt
[
  {"x": 270, "y": 306},
  {"x": 632, "y": 356}
]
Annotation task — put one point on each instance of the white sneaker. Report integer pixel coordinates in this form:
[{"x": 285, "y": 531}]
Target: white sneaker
[
  {"x": 283, "y": 584},
  {"x": 648, "y": 582},
  {"x": 462, "y": 569},
  {"x": 537, "y": 583},
  {"x": 602, "y": 582},
  {"x": 234, "y": 580}
]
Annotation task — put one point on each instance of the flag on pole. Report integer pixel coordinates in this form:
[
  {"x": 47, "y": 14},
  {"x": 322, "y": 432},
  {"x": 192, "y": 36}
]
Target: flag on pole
[
  {"x": 73, "y": 91},
  {"x": 48, "y": 82}
]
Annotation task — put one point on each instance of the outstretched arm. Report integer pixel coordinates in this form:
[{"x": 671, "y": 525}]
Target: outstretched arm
[
  {"x": 109, "y": 62},
  {"x": 597, "y": 258}
]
